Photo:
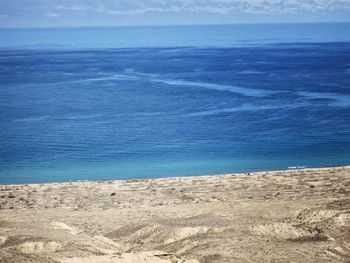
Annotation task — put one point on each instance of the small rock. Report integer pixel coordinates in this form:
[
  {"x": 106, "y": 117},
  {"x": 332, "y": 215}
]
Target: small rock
[
  {"x": 11, "y": 195},
  {"x": 113, "y": 194}
]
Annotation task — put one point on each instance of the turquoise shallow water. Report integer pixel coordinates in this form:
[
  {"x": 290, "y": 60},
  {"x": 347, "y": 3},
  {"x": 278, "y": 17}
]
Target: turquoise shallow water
[{"x": 91, "y": 104}]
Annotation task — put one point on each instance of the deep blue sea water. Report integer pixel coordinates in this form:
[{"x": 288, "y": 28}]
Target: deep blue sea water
[{"x": 117, "y": 103}]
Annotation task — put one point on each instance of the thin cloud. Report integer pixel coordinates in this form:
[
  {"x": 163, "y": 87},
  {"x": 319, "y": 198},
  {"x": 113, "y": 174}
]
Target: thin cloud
[
  {"x": 209, "y": 6},
  {"x": 52, "y": 14}
]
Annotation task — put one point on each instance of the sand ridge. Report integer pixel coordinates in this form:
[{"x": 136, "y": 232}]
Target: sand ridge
[{"x": 282, "y": 216}]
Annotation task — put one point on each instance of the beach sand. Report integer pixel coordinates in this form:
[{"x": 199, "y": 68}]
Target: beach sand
[{"x": 282, "y": 216}]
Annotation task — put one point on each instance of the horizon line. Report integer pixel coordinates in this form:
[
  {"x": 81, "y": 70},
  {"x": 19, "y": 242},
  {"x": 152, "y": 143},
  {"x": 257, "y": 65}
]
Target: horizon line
[{"x": 174, "y": 25}]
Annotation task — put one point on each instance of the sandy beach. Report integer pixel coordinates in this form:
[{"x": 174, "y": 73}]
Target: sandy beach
[{"x": 282, "y": 216}]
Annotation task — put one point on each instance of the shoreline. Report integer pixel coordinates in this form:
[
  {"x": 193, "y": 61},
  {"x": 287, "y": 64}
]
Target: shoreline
[
  {"x": 302, "y": 168},
  {"x": 290, "y": 215}
]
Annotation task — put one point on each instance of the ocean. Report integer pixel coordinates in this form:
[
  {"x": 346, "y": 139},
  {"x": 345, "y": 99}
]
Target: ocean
[{"x": 148, "y": 102}]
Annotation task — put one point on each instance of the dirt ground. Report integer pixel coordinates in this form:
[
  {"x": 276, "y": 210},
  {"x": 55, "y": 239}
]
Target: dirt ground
[{"x": 283, "y": 216}]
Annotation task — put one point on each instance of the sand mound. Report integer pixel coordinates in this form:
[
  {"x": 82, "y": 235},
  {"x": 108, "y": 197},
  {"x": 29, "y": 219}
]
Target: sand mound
[
  {"x": 39, "y": 247},
  {"x": 181, "y": 246},
  {"x": 283, "y": 231},
  {"x": 106, "y": 242},
  {"x": 2, "y": 240},
  {"x": 98, "y": 245},
  {"x": 63, "y": 226},
  {"x": 333, "y": 223},
  {"x": 310, "y": 216},
  {"x": 185, "y": 232},
  {"x": 167, "y": 237},
  {"x": 339, "y": 252},
  {"x": 106, "y": 246},
  {"x": 141, "y": 257},
  {"x": 342, "y": 220},
  {"x": 163, "y": 234},
  {"x": 152, "y": 257}
]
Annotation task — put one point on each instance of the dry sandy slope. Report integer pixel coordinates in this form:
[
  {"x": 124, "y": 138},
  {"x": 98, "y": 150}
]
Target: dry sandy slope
[{"x": 288, "y": 216}]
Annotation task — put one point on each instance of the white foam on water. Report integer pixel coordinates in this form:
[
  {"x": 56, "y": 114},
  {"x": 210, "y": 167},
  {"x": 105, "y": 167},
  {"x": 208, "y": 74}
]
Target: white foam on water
[
  {"x": 251, "y": 72},
  {"x": 31, "y": 119},
  {"x": 212, "y": 86},
  {"x": 247, "y": 107},
  {"x": 220, "y": 87},
  {"x": 132, "y": 75},
  {"x": 335, "y": 99},
  {"x": 82, "y": 116},
  {"x": 107, "y": 78}
]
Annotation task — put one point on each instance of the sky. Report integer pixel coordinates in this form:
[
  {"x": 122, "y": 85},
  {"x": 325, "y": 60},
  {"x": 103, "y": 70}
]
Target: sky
[{"x": 91, "y": 13}]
